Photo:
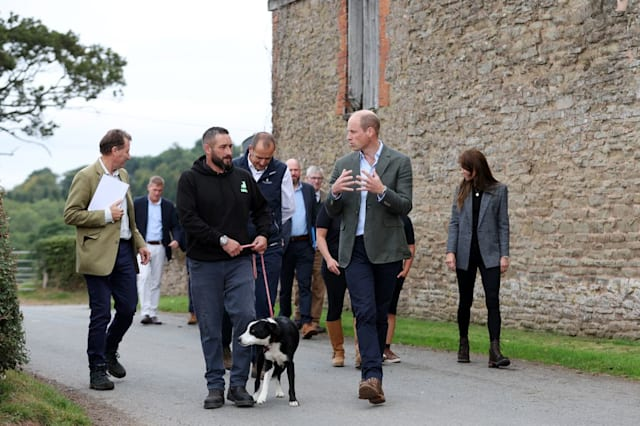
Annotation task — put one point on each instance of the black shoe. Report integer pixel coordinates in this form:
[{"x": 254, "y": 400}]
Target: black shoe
[
  {"x": 98, "y": 379},
  {"x": 463, "y": 350},
  {"x": 146, "y": 320},
  {"x": 215, "y": 399},
  {"x": 113, "y": 366},
  {"x": 496, "y": 359},
  {"x": 155, "y": 320},
  {"x": 240, "y": 397}
]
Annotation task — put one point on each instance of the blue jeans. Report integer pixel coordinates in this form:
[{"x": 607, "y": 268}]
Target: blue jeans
[
  {"x": 297, "y": 261},
  {"x": 216, "y": 287},
  {"x": 104, "y": 334},
  {"x": 371, "y": 290}
]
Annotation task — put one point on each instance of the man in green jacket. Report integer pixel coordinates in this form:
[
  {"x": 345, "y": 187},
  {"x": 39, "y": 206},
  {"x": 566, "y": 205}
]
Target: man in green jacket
[
  {"x": 107, "y": 241},
  {"x": 371, "y": 189}
]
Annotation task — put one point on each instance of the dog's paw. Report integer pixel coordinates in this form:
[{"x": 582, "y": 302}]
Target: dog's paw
[
  {"x": 261, "y": 401},
  {"x": 293, "y": 404},
  {"x": 279, "y": 394}
]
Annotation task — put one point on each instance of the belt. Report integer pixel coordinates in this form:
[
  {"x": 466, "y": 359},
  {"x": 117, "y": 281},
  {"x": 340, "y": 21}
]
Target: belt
[
  {"x": 154, "y": 243},
  {"x": 299, "y": 238}
]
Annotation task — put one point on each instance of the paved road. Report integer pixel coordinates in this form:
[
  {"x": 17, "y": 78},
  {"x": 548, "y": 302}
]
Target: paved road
[{"x": 165, "y": 383}]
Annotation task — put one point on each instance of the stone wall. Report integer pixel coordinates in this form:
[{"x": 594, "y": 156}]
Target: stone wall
[
  {"x": 548, "y": 90},
  {"x": 175, "y": 279}
]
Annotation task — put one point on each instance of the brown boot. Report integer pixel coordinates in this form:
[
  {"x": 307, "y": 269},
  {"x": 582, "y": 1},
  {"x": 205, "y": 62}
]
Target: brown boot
[
  {"x": 334, "y": 328},
  {"x": 358, "y": 360},
  {"x": 192, "y": 319},
  {"x": 308, "y": 331},
  {"x": 496, "y": 359},
  {"x": 463, "y": 350}
]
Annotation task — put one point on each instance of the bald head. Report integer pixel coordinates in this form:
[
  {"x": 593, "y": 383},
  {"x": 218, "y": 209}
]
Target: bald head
[{"x": 294, "y": 168}]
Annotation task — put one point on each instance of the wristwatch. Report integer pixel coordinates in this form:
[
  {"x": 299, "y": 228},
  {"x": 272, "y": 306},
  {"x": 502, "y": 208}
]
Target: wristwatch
[{"x": 224, "y": 240}]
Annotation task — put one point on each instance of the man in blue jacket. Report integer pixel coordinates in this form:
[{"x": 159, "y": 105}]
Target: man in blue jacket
[
  {"x": 299, "y": 254},
  {"x": 157, "y": 221}
]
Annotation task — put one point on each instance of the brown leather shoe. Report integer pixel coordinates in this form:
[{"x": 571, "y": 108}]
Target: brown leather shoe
[
  {"x": 371, "y": 389},
  {"x": 308, "y": 331},
  {"x": 192, "y": 319}
]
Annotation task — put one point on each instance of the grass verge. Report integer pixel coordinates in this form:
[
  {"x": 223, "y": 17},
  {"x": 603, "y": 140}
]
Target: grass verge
[{"x": 27, "y": 401}]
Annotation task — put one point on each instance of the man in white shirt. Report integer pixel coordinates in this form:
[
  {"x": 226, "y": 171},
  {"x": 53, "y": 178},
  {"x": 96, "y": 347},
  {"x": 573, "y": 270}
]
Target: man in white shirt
[{"x": 157, "y": 221}]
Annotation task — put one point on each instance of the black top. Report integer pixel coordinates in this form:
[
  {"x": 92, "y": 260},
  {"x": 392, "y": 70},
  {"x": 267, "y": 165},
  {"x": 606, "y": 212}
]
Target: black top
[
  {"x": 332, "y": 225},
  {"x": 408, "y": 230},
  {"x": 212, "y": 204},
  {"x": 477, "y": 198}
]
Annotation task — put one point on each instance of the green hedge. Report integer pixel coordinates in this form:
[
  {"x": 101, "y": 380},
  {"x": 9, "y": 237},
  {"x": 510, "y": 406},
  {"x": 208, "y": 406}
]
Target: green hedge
[
  {"x": 13, "y": 351},
  {"x": 57, "y": 257}
]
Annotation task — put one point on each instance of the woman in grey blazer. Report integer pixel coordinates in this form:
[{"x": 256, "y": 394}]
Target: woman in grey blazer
[{"x": 479, "y": 239}]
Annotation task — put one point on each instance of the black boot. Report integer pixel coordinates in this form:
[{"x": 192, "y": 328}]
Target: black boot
[
  {"x": 496, "y": 359},
  {"x": 463, "y": 350},
  {"x": 98, "y": 378},
  {"x": 113, "y": 366}
]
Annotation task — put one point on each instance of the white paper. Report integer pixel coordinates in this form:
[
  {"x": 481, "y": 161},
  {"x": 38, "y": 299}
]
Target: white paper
[{"x": 109, "y": 190}]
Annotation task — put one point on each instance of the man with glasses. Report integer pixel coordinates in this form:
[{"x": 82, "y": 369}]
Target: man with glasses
[{"x": 314, "y": 177}]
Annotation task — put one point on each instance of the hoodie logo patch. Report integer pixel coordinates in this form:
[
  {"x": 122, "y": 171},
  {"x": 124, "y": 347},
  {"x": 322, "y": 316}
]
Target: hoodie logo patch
[{"x": 243, "y": 187}]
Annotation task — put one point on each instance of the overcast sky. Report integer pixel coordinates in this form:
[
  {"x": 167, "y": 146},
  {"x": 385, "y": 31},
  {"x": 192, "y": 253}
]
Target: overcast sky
[{"x": 192, "y": 64}]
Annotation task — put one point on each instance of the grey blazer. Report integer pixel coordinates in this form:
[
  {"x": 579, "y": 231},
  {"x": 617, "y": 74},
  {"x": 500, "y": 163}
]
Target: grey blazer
[
  {"x": 493, "y": 228},
  {"x": 384, "y": 237}
]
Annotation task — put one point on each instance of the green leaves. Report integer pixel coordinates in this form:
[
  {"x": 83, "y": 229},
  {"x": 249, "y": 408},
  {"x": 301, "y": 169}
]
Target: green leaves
[
  {"x": 13, "y": 351},
  {"x": 41, "y": 68}
]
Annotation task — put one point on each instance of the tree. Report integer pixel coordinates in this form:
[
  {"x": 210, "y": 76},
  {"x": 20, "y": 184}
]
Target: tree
[
  {"x": 39, "y": 185},
  {"x": 41, "y": 69},
  {"x": 13, "y": 351}
]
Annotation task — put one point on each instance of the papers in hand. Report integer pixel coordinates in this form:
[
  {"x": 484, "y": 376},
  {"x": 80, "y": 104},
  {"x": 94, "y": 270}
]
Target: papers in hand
[{"x": 109, "y": 190}]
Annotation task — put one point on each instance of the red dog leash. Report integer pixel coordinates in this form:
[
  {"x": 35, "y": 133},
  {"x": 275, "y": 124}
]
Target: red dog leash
[{"x": 266, "y": 283}]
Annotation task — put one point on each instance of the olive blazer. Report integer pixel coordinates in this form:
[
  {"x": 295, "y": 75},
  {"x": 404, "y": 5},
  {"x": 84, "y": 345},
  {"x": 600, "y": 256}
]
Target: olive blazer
[
  {"x": 96, "y": 241},
  {"x": 384, "y": 236},
  {"x": 493, "y": 227}
]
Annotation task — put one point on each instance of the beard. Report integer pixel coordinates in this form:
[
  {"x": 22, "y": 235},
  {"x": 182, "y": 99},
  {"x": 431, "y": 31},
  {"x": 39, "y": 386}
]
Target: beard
[{"x": 224, "y": 163}]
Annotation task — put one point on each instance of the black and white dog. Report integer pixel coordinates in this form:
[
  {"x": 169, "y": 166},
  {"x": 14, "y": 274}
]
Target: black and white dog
[{"x": 276, "y": 340}]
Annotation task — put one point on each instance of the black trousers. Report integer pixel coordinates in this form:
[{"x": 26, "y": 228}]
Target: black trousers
[
  {"x": 336, "y": 288},
  {"x": 491, "y": 284}
]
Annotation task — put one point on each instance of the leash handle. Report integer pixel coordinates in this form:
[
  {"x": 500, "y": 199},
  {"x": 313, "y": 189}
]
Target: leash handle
[{"x": 266, "y": 282}]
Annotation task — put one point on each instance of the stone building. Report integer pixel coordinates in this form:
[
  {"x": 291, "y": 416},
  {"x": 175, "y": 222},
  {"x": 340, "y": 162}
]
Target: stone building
[{"x": 549, "y": 90}]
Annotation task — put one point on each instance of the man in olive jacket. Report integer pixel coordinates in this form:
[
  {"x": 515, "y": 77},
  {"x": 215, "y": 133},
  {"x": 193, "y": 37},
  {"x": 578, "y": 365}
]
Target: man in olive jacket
[
  {"x": 107, "y": 240},
  {"x": 371, "y": 189}
]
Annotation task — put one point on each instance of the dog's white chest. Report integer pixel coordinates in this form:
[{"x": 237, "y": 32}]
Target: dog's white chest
[{"x": 275, "y": 355}]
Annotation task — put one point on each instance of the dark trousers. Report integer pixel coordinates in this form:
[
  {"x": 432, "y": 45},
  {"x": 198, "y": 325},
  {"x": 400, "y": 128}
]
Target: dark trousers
[
  {"x": 336, "y": 287},
  {"x": 105, "y": 335},
  {"x": 491, "y": 284},
  {"x": 371, "y": 289},
  {"x": 297, "y": 261},
  {"x": 393, "y": 307}
]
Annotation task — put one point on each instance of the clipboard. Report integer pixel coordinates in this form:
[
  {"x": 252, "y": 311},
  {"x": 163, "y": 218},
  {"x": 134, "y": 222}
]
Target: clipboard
[{"x": 109, "y": 190}]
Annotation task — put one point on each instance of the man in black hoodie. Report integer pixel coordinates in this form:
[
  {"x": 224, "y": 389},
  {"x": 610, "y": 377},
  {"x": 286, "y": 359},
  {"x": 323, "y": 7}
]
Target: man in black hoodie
[{"x": 215, "y": 202}]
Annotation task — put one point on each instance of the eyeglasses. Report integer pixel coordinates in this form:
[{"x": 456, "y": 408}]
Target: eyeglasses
[{"x": 316, "y": 178}]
